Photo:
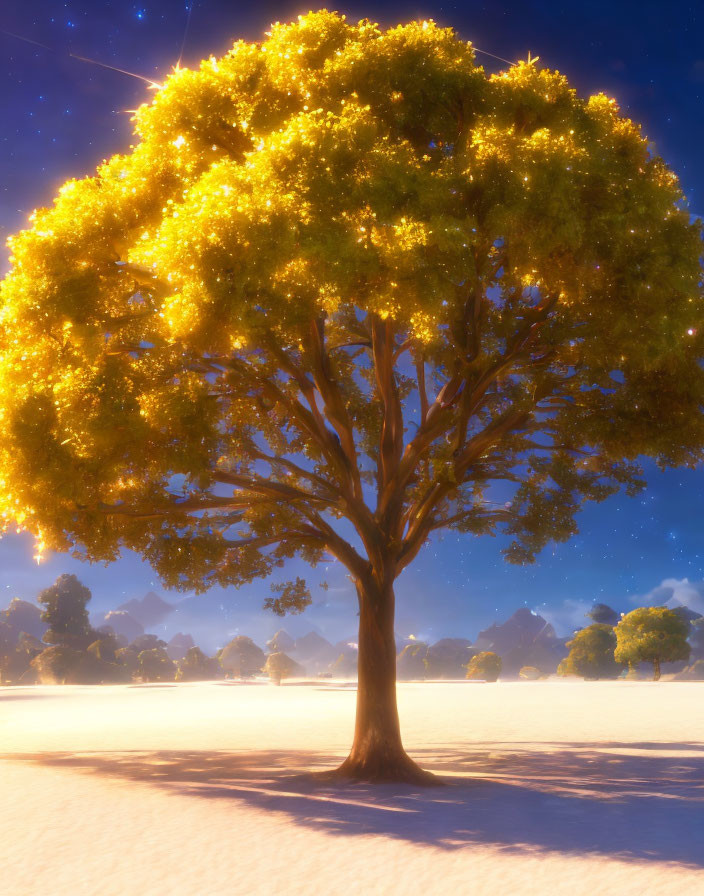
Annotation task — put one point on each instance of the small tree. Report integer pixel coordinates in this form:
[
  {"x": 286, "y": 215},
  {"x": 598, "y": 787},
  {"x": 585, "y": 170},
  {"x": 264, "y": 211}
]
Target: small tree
[
  {"x": 241, "y": 658},
  {"x": 651, "y": 635},
  {"x": 155, "y": 665},
  {"x": 65, "y": 613},
  {"x": 279, "y": 666},
  {"x": 485, "y": 666},
  {"x": 592, "y": 654}
]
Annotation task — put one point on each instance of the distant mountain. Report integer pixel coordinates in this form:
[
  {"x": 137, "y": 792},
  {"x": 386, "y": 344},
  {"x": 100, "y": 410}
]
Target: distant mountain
[
  {"x": 525, "y": 639},
  {"x": 149, "y": 610},
  {"x": 448, "y": 658},
  {"x": 524, "y": 629},
  {"x": 21, "y": 616},
  {"x": 123, "y": 623},
  {"x": 179, "y": 646},
  {"x": 314, "y": 652},
  {"x": 282, "y": 642}
]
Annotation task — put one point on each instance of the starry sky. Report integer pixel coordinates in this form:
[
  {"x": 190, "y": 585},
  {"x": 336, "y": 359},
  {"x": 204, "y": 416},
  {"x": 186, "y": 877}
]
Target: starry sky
[{"x": 62, "y": 115}]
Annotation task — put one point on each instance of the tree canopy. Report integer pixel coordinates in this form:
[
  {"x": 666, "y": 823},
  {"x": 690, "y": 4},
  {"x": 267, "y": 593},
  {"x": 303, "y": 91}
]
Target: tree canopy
[
  {"x": 65, "y": 612},
  {"x": 652, "y": 635},
  {"x": 222, "y": 329},
  {"x": 345, "y": 290},
  {"x": 592, "y": 653}
]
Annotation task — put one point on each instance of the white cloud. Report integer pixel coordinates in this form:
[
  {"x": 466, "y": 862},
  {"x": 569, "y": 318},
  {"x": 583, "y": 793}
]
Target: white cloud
[{"x": 673, "y": 593}]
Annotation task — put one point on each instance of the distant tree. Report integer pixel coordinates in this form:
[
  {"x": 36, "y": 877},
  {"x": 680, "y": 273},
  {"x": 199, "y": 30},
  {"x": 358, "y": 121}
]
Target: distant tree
[
  {"x": 196, "y": 666},
  {"x": 59, "y": 665},
  {"x": 8, "y": 637},
  {"x": 104, "y": 647},
  {"x": 128, "y": 657},
  {"x": 155, "y": 665},
  {"x": 592, "y": 654},
  {"x": 485, "y": 666},
  {"x": 241, "y": 658},
  {"x": 279, "y": 666},
  {"x": 148, "y": 642},
  {"x": 604, "y": 614},
  {"x": 343, "y": 283},
  {"x": 15, "y": 662},
  {"x": 447, "y": 658},
  {"x": 651, "y": 635},
  {"x": 65, "y": 612}
]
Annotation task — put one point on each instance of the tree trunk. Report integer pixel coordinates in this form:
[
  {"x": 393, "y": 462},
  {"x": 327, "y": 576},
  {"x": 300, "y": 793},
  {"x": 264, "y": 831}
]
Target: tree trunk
[
  {"x": 377, "y": 752},
  {"x": 656, "y": 670}
]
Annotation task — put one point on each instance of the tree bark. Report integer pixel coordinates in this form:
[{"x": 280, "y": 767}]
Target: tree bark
[
  {"x": 656, "y": 670},
  {"x": 377, "y": 752}
]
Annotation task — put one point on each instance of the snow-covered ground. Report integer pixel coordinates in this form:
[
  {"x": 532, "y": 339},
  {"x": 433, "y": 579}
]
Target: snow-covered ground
[{"x": 559, "y": 788}]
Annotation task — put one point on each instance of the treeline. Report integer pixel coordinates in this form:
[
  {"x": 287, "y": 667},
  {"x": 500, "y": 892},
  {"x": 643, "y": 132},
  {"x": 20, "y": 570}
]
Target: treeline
[
  {"x": 58, "y": 645},
  {"x": 652, "y": 635}
]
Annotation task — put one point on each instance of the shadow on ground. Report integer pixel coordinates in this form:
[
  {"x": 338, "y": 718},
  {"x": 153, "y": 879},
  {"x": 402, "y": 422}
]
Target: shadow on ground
[{"x": 622, "y": 800}]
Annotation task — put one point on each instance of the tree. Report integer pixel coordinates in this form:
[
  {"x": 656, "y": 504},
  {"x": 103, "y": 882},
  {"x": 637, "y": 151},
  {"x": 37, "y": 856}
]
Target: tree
[
  {"x": 65, "y": 613},
  {"x": 241, "y": 658},
  {"x": 15, "y": 662},
  {"x": 128, "y": 658},
  {"x": 345, "y": 282},
  {"x": 447, "y": 658},
  {"x": 592, "y": 654},
  {"x": 604, "y": 614},
  {"x": 147, "y": 642},
  {"x": 279, "y": 666},
  {"x": 196, "y": 666},
  {"x": 651, "y": 635},
  {"x": 155, "y": 664},
  {"x": 485, "y": 666}
]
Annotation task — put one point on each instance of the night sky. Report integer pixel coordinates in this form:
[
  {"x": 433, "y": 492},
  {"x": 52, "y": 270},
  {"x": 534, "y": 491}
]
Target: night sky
[{"x": 61, "y": 116}]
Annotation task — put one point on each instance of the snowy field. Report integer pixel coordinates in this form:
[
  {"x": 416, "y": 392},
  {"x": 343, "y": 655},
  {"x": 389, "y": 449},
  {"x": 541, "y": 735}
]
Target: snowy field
[{"x": 201, "y": 789}]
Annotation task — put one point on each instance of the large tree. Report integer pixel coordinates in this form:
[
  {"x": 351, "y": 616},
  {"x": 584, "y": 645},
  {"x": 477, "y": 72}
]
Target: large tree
[
  {"x": 651, "y": 635},
  {"x": 344, "y": 291}
]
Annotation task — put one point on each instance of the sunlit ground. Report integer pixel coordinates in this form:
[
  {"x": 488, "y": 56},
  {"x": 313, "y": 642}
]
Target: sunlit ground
[{"x": 552, "y": 788}]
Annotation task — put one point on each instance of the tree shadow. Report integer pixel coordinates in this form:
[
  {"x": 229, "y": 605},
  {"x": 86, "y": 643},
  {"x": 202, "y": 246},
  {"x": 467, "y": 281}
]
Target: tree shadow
[{"x": 580, "y": 798}]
